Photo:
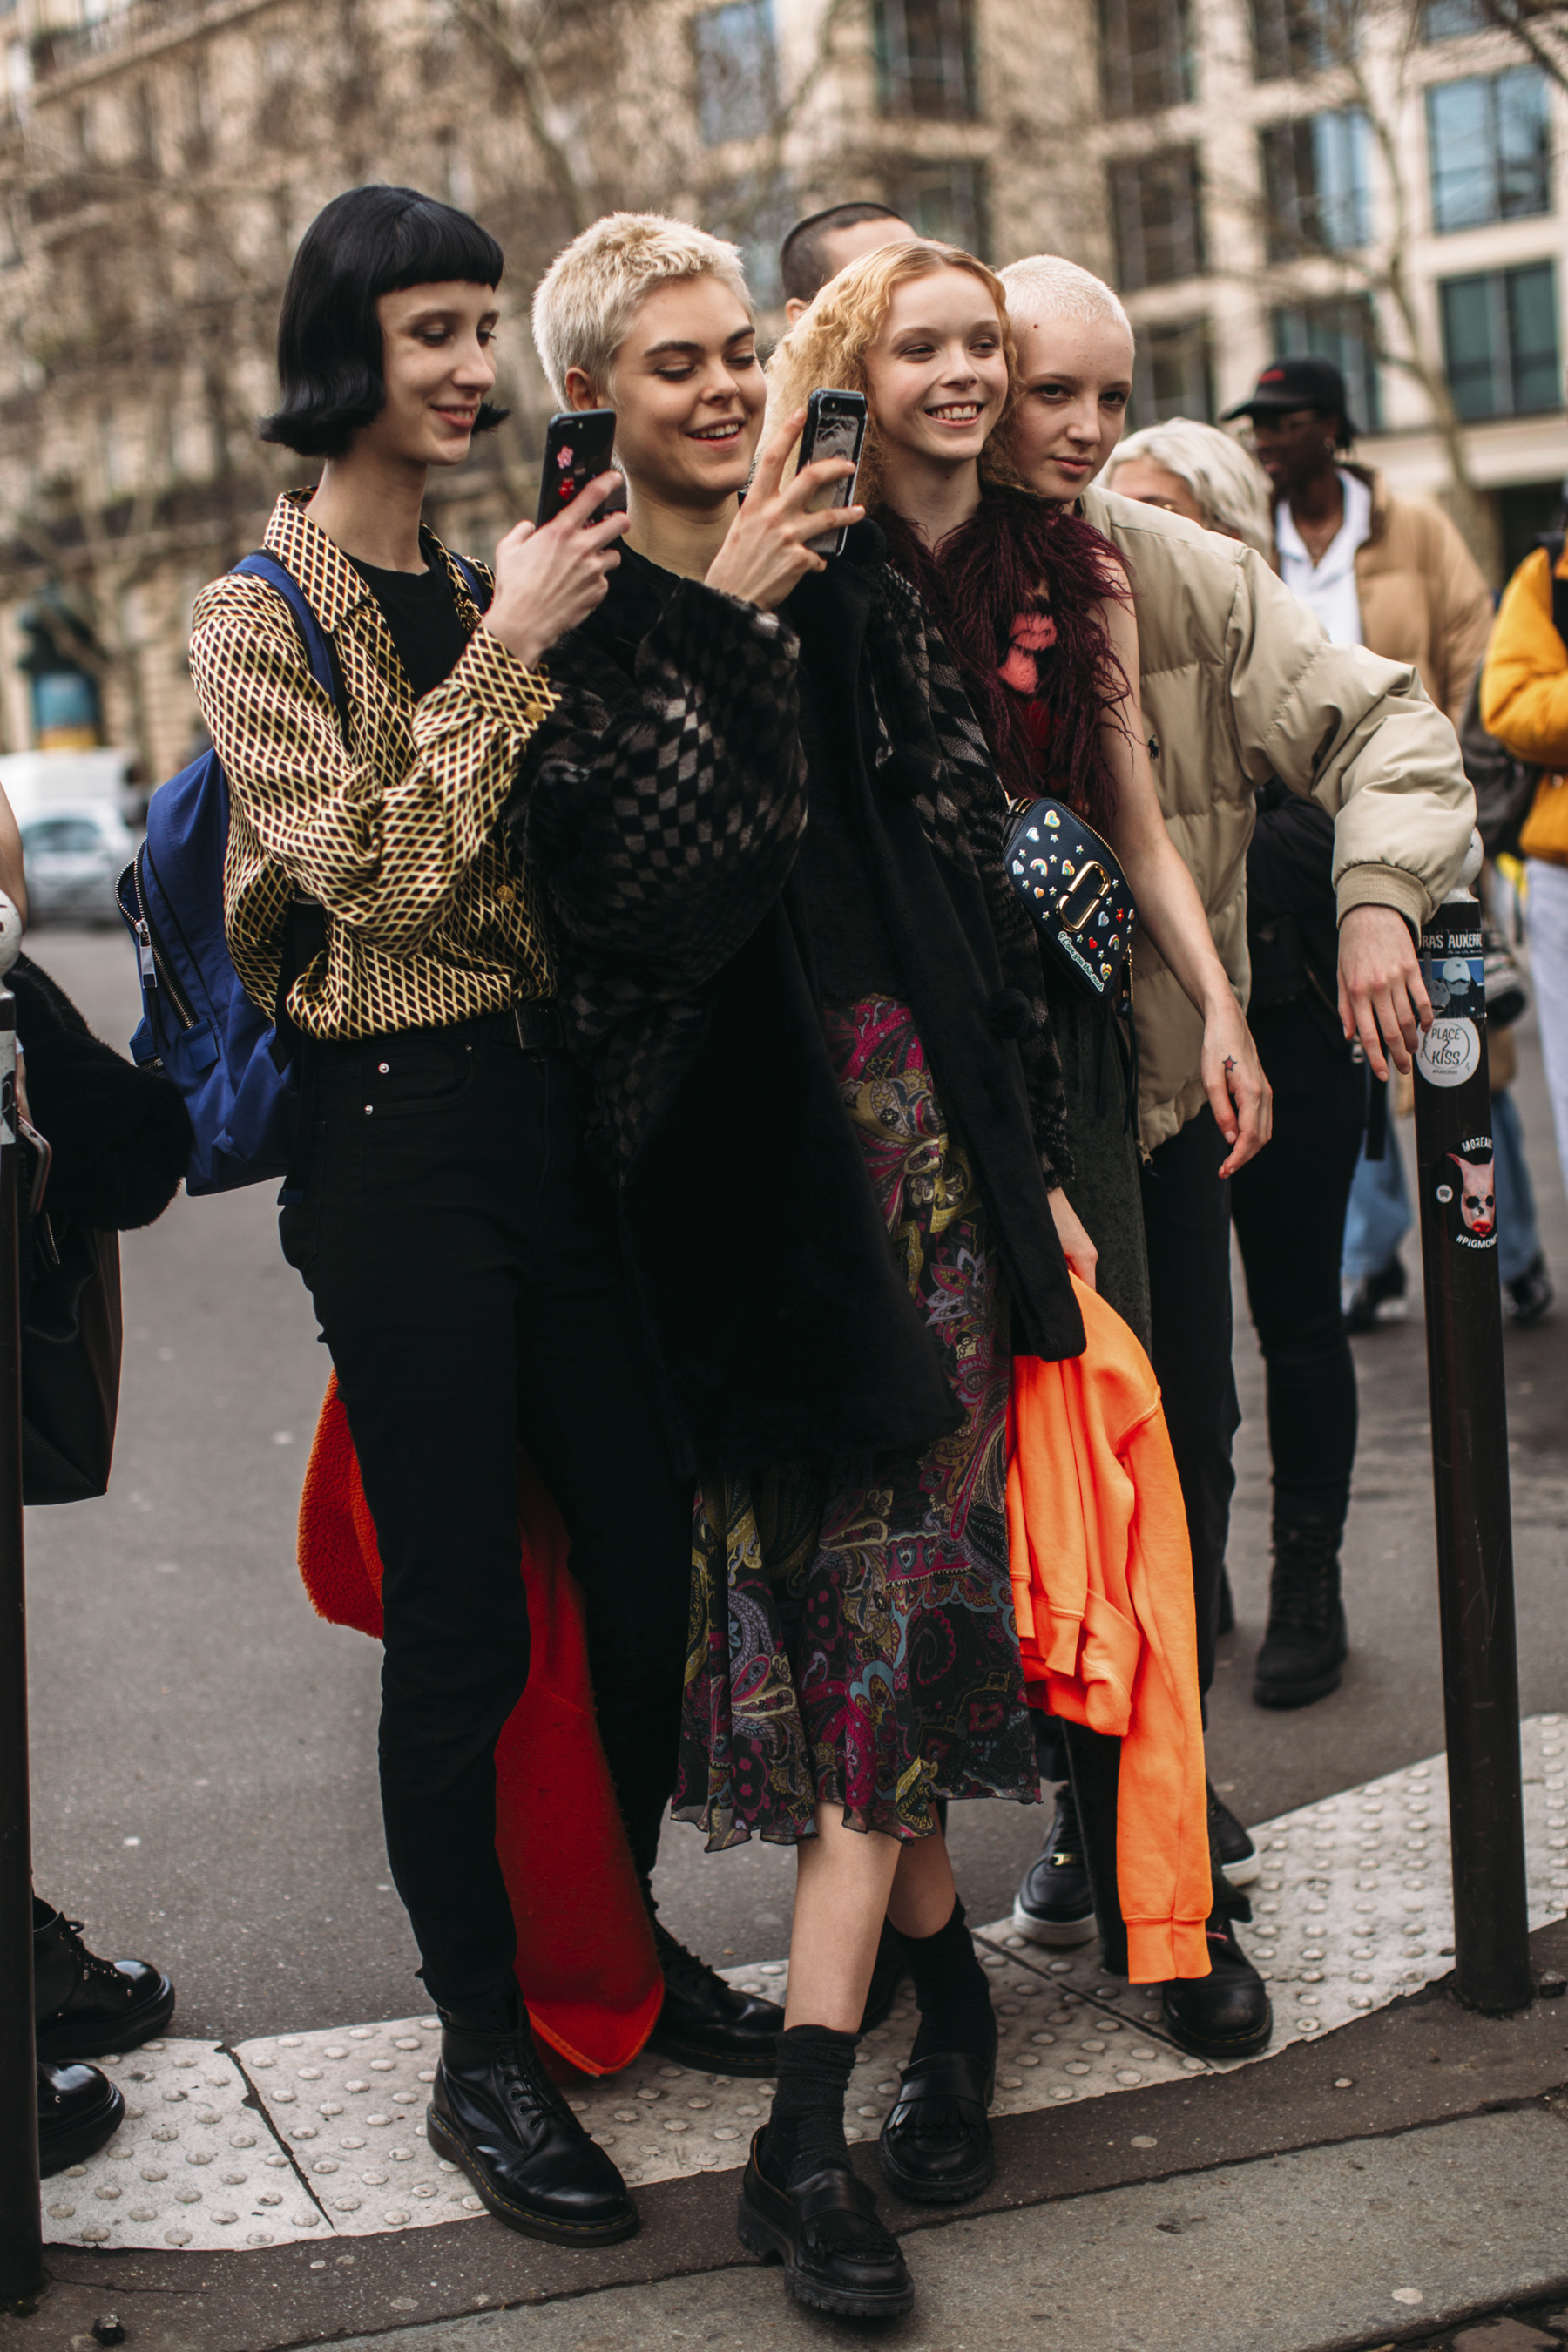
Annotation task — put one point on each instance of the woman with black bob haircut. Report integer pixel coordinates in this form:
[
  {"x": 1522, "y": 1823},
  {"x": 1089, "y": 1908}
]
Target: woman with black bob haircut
[
  {"x": 458, "y": 1250},
  {"x": 368, "y": 243}
]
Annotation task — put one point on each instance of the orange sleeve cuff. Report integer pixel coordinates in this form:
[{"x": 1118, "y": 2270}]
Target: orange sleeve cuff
[{"x": 1159, "y": 1949}]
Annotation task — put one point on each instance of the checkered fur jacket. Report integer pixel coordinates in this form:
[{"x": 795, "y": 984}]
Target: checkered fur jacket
[{"x": 661, "y": 805}]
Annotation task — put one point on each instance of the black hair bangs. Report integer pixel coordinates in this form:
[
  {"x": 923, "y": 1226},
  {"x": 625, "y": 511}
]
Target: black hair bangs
[
  {"x": 433, "y": 245},
  {"x": 366, "y": 243}
]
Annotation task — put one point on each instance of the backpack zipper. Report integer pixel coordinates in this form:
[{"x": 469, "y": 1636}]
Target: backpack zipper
[{"x": 152, "y": 957}]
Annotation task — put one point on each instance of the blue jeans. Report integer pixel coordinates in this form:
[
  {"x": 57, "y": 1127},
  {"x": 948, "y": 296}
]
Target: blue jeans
[
  {"x": 1378, "y": 1217},
  {"x": 1518, "y": 1241}
]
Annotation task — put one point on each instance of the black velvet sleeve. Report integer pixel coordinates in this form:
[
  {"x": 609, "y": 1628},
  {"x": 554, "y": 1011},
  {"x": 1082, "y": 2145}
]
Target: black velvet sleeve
[
  {"x": 120, "y": 1135},
  {"x": 662, "y": 807}
]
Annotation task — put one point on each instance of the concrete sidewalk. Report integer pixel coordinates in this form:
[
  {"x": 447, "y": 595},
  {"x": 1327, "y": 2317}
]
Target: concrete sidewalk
[
  {"x": 1334, "y": 2247},
  {"x": 1399, "y": 2174}
]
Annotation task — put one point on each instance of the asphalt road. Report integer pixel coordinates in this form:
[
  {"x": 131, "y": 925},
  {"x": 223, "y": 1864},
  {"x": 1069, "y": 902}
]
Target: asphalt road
[{"x": 204, "y": 1746}]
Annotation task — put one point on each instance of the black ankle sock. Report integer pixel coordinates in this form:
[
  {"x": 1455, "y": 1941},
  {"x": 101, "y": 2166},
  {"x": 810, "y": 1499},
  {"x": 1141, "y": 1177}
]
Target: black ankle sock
[
  {"x": 806, "y": 2129},
  {"x": 951, "y": 1990}
]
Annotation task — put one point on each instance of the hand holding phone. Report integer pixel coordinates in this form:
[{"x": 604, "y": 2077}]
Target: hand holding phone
[
  {"x": 835, "y": 427},
  {"x": 547, "y": 581},
  {"x": 770, "y": 547},
  {"x": 578, "y": 446}
]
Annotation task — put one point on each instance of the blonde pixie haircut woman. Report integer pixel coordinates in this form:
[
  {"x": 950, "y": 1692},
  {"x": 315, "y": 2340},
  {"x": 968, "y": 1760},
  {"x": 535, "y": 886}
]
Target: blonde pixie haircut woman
[{"x": 588, "y": 298}]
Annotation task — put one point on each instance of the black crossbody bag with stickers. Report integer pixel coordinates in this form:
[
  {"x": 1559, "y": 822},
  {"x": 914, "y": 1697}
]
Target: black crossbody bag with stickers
[{"x": 1078, "y": 900}]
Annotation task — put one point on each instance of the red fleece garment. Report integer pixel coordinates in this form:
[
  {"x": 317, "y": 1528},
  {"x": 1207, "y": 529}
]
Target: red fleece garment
[{"x": 585, "y": 1960}]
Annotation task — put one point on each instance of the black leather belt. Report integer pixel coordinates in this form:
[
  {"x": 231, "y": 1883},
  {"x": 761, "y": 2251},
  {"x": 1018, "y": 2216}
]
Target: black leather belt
[{"x": 540, "y": 1028}]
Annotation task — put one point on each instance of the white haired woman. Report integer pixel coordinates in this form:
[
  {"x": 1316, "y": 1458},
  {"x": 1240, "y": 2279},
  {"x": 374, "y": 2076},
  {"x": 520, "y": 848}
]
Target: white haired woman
[
  {"x": 1198, "y": 471},
  {"x": 789, "y": 1030}
]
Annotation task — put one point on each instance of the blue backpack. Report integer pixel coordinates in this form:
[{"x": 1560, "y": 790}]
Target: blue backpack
[{"x": 236, "y": 1066}]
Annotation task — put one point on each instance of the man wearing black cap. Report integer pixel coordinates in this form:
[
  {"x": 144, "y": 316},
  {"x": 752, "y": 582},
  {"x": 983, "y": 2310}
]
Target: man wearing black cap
[{"x": 1392, "y": 574}]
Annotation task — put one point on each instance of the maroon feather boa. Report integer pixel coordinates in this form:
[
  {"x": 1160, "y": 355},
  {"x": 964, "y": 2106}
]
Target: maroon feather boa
[{"x": 1021, "y": 578}]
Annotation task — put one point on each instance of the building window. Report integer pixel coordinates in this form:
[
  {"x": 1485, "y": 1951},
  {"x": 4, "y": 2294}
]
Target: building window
[
  {"x": 1157, "y": 209},
  {"x": 1489, "y": 151},
  {"x": 925, "y": 59},
  {"x": 1173, "y": 373},
  {"x": 1315, "y": 185},
  {"x": 1525, "y": 511},
  {"x": 948, "y": 202},
  {"x": 757, "y": 216},
  {"x": 1499, "y": 340},
  {"x": 1343, "y": 330},
  {"x": 1298, "y": 36},
  {"x": 1450, "y": 20},
  {"x": 1145, "y": 55},
  {"x": 737, "y": 86}
]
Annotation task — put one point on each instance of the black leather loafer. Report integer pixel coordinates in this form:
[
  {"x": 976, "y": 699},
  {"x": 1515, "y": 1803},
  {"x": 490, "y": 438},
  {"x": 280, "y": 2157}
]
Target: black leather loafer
[
  {"x": 87, "y": 2007},
  {"x": 79, "y": 2110},
  {"x": 837, "y": 2255},
  {"x": 1225, "y": 2014},
  {"x": 936, "y": 2145},
  {"x": 496, "y": 2115},
  {"x": 706, "y": 2023}
]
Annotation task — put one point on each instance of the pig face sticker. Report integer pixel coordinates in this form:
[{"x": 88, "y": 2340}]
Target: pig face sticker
[{"x": 1476, "y": 1201}]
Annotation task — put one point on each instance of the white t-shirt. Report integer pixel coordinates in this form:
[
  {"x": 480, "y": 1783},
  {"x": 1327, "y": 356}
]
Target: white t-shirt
[{"x": 1328, "y": 588}]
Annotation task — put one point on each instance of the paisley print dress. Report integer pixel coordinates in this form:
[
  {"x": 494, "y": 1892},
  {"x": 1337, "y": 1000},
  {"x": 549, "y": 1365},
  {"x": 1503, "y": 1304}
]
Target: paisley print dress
[{"x": 852, "y": 1636}]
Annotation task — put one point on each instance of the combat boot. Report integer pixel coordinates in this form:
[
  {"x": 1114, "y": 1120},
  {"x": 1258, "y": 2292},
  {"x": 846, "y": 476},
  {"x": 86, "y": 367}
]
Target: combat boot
[{"x": 1306, "y": 1642}]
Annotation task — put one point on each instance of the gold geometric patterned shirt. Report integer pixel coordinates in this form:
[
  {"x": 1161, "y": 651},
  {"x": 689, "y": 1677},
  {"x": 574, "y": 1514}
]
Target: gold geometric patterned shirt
[{"x": 430, "y": 920}]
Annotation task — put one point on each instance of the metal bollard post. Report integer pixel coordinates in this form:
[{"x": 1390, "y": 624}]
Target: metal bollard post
[
  {"x": 1469, "y": 1469},
  {"x": 21, "y": 2225}
]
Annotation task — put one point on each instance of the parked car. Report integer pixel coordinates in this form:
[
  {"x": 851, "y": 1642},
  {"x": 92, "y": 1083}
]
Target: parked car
[{"x": 72, "y": 858}]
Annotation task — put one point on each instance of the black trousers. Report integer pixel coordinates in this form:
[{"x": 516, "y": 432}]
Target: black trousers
[
  {"x": 1186, "y": 1223},
  {"x": 1289, "y": 1208},
  {"x": 460, "y": 1254}
]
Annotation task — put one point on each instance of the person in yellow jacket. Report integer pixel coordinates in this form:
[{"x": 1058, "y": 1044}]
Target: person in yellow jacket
[{"x": 1524, "y": 703}]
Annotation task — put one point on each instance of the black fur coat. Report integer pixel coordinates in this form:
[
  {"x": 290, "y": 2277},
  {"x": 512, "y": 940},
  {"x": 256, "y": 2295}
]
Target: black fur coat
[{"x": 662, "y": 805}]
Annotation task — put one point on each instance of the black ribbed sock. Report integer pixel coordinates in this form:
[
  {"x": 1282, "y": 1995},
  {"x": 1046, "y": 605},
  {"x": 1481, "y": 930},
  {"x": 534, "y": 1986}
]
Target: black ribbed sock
[
  {"x": 952, "y": 1993},
  {"x": 806, "y": 2129}
]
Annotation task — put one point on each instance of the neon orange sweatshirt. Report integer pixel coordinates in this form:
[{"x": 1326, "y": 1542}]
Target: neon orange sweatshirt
[{"x": 1102, "y": 1584}]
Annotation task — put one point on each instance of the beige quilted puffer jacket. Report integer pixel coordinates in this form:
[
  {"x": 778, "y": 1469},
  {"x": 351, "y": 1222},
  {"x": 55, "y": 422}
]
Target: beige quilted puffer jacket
[{"x": 1239, "y": 683}]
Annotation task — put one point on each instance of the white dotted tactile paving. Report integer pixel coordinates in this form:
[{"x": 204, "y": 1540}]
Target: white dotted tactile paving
[
  {"x": 1352, "y": 1909},
  {"x": 192, "y": 2165},
  {"x": 349, "y": 2104},
  {"x": 1354, "y": 1906}
]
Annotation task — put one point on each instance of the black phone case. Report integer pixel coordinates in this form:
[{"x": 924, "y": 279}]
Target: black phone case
[
  {"x": 577, "y": 447},
  {"x": 831, "y": 541}
]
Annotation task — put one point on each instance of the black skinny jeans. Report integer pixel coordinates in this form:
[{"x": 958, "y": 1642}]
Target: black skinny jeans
[
  {"x": 1289, "y": 1208},
  {"x": 1186, "y": 1223},
  {"x": 461, "y": 1257}
]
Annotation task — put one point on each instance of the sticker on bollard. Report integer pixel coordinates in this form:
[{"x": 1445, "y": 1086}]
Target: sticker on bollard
[{"x": 1469, "y": 1467}]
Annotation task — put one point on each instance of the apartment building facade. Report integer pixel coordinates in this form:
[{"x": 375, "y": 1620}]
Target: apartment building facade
[
  {"x": 1381, "y": 184},
  {"x": 1249, "y": 172}
]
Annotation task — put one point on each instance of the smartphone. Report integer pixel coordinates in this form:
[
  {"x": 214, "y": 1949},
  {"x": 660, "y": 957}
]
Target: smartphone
[
  {"x": 835, "y": 427},
  {"x": 578, "y": 444}
]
